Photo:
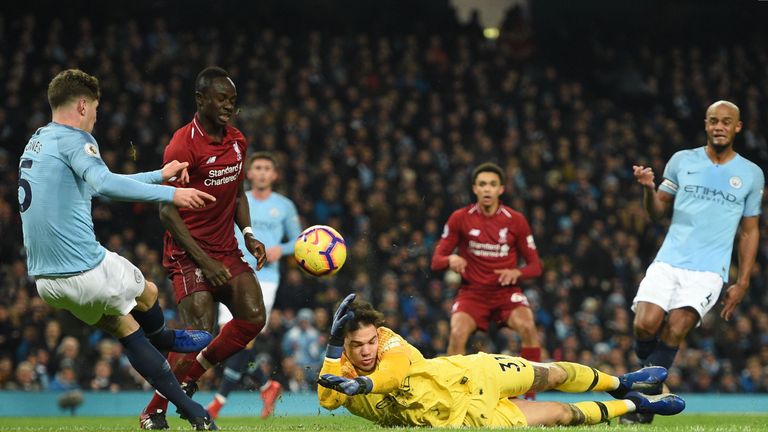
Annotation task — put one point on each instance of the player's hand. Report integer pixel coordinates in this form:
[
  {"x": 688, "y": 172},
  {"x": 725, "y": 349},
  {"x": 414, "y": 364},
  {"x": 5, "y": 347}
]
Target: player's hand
[
  {"x": 191, "y": 198},
  {"x": 274, "y": 253},
  {"x": 644, "y": 176},
  {"x": 175, "y": 171},
  {"x": 348, "y": 386},
  {"x": 457, "y": 263},
  {"x": 508, "y": 276},
  {"x": 341, "y": 316},
  {"x": 256, "y": 248},
  {"x": 733, "y": 296},
  {"x": 216, "y": 272}
]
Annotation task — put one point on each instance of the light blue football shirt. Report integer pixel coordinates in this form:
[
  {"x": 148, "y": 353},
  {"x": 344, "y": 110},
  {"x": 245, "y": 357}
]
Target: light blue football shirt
[
  {"x": 275, "y": 221},
  {"x": 710, "y": 200},
  {"x": 55, "y": 198}
]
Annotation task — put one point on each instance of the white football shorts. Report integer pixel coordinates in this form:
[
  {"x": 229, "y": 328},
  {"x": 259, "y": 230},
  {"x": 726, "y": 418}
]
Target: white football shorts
[
  {"x": 674, "y": 288},
  {"x": 268, "y": 293},
  {"x": 110, "y": 288}
]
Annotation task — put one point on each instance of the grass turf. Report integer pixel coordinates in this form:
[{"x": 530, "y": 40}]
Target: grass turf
[{"x": 680, "y": 423}]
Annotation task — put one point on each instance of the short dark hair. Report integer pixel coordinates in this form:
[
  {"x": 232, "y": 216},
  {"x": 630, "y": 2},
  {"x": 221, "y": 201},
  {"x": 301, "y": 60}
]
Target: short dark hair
[
  {"x": 70, "y": 84},
  {"x": 206, "y": 76},
  {"x": 262, "y": 155},
  {"x": 365, "y": 315},
  {"x": 488, "y": 167}
]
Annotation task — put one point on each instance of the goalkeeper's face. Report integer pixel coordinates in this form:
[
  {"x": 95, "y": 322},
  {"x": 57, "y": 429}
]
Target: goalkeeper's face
[{"x": 362, "y": 347}]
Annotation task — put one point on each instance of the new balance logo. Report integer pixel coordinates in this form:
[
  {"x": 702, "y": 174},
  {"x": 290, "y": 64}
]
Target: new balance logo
[
  {"x": 474, "y": 232},
  {"x": 210, "y": 160}
]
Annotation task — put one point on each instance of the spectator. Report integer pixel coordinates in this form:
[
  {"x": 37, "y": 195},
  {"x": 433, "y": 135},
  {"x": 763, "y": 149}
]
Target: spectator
[
  {"x": 302, "y": 343},
  {"x": 25, "y": 379}
]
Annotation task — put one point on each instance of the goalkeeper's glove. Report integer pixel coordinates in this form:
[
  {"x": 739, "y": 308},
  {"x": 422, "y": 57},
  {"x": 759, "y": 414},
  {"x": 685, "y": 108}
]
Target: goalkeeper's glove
[
  {"x": 340, "y": 317},
  {"x": 348, "y": 386}
]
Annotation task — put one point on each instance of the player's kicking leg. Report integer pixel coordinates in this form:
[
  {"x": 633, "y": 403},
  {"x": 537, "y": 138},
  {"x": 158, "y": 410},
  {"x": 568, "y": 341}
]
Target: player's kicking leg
[
  {"x": 148, "y": 362},
  {"x": 196, "y": 310},
  {"x": 151, "y": 319}
]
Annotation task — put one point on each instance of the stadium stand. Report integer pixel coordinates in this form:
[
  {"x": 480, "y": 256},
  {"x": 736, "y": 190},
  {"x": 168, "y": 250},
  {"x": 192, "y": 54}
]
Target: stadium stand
[{"x": 377, "y": 132}]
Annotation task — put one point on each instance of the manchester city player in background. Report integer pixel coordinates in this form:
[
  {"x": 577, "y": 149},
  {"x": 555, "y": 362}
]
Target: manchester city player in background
[
  {"x": 59, "y": 172},
  {"x": 712, "y": 191}
]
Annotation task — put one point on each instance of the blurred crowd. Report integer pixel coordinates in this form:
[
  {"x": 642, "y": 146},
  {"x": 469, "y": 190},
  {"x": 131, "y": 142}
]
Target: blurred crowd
[{"x": 377, "y": 136}]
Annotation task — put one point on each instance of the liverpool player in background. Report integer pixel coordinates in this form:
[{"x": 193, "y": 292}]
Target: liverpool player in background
[
  {"x": 201, "y": 254},
  {"x": 491, "y": 238}
]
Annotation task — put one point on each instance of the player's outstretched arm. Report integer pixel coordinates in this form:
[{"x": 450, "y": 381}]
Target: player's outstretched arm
[
  {"x": 124, "y": 188},
  {"x": 173, "y": 171},
  {"x": 213, "y": 270},
  {"x": 749, "y": 238},
  {"x": 191, "y": 198},
  {"x": 329, "y": 395}
]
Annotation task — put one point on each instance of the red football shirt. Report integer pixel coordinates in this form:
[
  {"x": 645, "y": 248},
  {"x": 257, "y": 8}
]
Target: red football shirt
[
  {"x": 488, "y": 243},
  {"x": 215, "y": 168}
]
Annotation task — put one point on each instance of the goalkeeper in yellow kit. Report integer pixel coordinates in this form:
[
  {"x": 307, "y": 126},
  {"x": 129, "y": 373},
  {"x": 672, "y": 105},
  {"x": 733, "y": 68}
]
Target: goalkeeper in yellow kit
[{"x": 376, "y": 374}]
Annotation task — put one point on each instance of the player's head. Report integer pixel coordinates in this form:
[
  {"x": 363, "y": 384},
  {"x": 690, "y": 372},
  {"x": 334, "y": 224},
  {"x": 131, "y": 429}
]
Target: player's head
[
  {"x": 361, "y": 339},
  {"x": 722, "y": 123},
  {"x": 215, "y": 95},
  {"x": 262, "y": 170},
  {"x": 488, "y": 184},
  {"x": 77, "y": 93}
]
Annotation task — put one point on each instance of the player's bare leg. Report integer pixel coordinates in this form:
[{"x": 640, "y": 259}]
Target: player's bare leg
[
  {"x": 243, "y": 298},
  {"x": 151, "y": 319},
  {"x": 522, "y": 321},
  {"x": 680, "y": 323},
  {"x": 657, "y": 340},
  {"x": 462, "y": 327},
  {"x": 649, "y": 319}
]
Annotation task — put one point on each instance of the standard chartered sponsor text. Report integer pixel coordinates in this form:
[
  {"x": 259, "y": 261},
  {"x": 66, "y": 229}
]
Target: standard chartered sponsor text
[
  {"x": 222, "y": 176},
  {"x": 488, "y": 249}
]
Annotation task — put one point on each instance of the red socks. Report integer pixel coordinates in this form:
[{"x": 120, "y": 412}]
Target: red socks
[
  {"x": 533, "y": 354},
  {"x": 180, "y": 364},
  {"x": 233, "y": 337}
]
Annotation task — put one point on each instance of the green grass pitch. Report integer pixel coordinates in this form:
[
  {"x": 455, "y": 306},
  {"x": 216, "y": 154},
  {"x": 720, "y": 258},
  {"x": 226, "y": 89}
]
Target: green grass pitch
[{"x": 680, "y": 423}]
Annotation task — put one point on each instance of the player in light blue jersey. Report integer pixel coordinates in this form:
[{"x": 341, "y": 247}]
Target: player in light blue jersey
[
  {"x": 713, "y": 191},
  {"x": 59, "y": 172},
  {"x": 275, "y": 223}
]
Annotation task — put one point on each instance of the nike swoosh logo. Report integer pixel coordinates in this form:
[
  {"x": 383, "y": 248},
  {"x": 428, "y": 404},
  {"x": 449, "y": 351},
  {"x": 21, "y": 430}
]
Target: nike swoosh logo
[{"x": 692, "y": 172}]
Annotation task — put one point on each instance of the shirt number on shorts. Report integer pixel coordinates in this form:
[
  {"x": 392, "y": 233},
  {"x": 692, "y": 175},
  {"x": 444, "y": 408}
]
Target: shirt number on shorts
[{"x": 504, "y": 365}]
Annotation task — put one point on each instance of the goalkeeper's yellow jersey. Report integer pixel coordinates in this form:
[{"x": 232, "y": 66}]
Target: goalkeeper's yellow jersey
[{"x": 411, "y": 391}]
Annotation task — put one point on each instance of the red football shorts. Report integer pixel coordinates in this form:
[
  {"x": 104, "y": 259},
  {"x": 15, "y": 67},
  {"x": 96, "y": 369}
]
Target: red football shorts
[
  {"x": 486, "y": 304},
  {"x": 187, "y": 278}
]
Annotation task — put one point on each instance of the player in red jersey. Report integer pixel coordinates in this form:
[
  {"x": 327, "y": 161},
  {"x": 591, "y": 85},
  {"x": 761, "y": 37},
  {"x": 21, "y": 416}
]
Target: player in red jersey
[
  {"x": 491, "y": 238},
  {"x": 201, "y": 254}
]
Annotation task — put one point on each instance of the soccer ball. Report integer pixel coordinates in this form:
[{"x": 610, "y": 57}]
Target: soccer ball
[{"x": 320, "y": 250}]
